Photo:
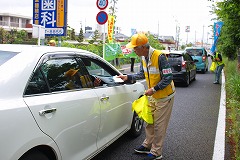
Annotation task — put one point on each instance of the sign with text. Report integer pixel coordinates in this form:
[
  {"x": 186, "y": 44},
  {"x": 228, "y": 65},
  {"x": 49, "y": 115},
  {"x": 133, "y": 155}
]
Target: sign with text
[
  {"x": 52, "y": 14},
  {"x": 110, "y": 28},
  {"x": 102, "y": 4},
  {"x": 187, "y": 29}
]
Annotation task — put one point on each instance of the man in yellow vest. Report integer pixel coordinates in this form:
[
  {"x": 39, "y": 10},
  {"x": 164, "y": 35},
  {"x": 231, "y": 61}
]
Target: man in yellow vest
[
  {"x": 218, "y": 59},
  {"x": 158, "y": 74}
]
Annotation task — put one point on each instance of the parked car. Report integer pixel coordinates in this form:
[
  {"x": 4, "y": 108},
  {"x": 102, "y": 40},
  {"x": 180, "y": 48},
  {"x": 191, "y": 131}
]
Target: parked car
[
  {"x": 183, "y": 67},
  {"x": 201, "y": 55},
  {"x": 47, "y": 114}
]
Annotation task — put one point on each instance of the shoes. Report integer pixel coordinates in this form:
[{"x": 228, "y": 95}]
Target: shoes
[
  {"x": 150, "y": 156},
  {"x": 216, "y": 82},
  {"x": 142, "y": 149}
]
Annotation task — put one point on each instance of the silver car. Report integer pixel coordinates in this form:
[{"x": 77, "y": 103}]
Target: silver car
[{"x": 51, "y": 108}]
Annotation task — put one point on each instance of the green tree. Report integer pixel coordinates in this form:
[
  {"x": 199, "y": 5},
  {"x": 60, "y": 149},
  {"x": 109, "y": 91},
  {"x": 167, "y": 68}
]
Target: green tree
[
  {"x": 228, "y": 11},
  {"x": 73, "y": 36},
  {"x": 80, "y": 36},
  {"x": 96, "y": 35},
  {"x": 3, "y": 36},
  {"x": 153, "y": 41}
]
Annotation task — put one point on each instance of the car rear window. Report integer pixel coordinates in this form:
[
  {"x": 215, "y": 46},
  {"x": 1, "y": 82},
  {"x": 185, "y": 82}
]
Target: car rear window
[
  {"x": 195, "y": 52},
  {"x": 175, "y": 57},
  {"x": 6, "y": 55}
]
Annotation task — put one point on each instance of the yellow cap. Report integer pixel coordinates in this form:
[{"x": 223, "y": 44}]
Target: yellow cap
[
  {"x": 71, "y": 72},
  {"x": 52, "y": 41},
  {"x": 137, "y": 40}
]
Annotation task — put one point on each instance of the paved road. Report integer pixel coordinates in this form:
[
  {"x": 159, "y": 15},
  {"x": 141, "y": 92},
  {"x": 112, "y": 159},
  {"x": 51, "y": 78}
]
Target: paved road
[{"x": 192, "y": 128}]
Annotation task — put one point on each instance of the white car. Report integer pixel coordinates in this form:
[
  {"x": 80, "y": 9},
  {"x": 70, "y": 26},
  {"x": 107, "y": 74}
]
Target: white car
[{"x": 50, "y": 108}]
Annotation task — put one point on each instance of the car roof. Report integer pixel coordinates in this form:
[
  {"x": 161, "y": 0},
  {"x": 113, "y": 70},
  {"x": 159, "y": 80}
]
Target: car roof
[
  {"x": 42, "y": 49},
  {"x": 176, "y": 52},
  {"x": 194, "y": 48}
]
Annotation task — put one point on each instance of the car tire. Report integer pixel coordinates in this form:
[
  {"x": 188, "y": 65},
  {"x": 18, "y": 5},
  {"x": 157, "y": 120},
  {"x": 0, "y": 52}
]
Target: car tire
[
  {"x": 136, "y": 126},
  {"x": 203, "y": 71},
  {"x": 34, "y": 155},
  {"x": 187, "y": 82},
  {"x": 194, "y": 78}
]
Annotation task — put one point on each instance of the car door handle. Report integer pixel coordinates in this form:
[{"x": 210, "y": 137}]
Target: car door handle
[
  {"x": 104, "y": 98},
  {"x": 46, "y": 111}
]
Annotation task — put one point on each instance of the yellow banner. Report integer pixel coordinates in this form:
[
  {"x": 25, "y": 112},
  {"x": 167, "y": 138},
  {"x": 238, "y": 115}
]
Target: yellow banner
[
  {"x": 110, "y": 28},
  {"x": 60, "y": 13}
]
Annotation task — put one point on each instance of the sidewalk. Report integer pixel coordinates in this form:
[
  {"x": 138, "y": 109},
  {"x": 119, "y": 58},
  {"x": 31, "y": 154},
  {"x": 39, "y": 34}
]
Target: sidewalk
[{"x": 126, "y": 68}]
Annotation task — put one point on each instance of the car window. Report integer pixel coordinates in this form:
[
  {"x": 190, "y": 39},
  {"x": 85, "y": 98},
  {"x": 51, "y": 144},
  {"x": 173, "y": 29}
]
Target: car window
[
  {"x": 94, "y": 67},
  {"x": 5, "y": 56},
  {"x": 175, "y": 57},
  {"x": 37, "y": 84},
  {"x": 100, "y": 69},
  {"x": 195, "y": 52},
  {"x": 59, "y": 74}
]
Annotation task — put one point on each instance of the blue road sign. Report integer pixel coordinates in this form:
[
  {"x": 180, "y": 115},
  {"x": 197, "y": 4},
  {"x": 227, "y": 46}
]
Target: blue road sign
[
  {"x": 102, "y": 17},
  {"x": 102, "y": 4},
  {"x": 52, "y": 15}
]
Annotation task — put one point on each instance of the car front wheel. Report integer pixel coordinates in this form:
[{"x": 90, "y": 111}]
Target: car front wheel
[
  {"x": 34, "y": 155},
  {"x": 136, "y": 127}
]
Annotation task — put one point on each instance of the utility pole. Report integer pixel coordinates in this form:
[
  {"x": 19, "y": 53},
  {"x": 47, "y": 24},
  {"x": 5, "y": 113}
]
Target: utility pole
[
  {"x": 203, "y": 35},
  {"x": 195, "y": 37}
]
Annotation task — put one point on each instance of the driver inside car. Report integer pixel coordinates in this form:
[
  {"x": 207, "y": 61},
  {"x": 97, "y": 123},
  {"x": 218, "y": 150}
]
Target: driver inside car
[{"x": 75, "y": 80}]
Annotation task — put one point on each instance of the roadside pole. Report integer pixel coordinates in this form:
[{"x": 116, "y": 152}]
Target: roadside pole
[
  {"x": 104, "y": 39},
  {"x": 38, "y": 32}
]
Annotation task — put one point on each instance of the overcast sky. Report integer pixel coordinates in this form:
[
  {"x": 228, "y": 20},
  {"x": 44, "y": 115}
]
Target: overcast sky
[{"x": 158, "y": 16}]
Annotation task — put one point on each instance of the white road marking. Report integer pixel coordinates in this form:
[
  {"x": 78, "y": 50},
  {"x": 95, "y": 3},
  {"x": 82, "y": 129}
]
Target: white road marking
[{"x": 219, "y": 145}]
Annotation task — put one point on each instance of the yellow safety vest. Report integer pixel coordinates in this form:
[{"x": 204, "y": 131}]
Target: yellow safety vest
[
  {"x": 153, "y": 76},
  {"x": 218, "y": 63}
]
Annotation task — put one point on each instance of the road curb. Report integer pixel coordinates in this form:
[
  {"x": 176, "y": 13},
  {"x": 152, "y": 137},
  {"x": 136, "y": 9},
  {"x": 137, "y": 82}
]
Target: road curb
[{"x": 219, "y": 144}]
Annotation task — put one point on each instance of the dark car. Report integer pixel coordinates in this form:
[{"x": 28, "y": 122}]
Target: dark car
[
  {"x": 201, "y": 55},
  {"x": 183, "y": 67}
]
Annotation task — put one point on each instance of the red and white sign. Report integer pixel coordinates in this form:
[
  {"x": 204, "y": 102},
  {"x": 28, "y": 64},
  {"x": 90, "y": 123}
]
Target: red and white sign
[
  {"x": 126, "y": 50},
  {"x": 102, "y": 4}
]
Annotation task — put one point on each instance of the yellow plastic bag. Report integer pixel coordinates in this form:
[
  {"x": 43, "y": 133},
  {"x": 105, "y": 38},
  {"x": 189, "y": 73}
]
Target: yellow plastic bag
[
  {"x": 140, "y": 106},
  {"x": 213, "y": 66}
]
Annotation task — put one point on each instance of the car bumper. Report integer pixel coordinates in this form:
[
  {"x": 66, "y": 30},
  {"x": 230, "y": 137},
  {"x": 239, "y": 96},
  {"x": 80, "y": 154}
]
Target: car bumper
[
  {"x": 201, "y": 66},
  {"x": 179, "y": 77}
]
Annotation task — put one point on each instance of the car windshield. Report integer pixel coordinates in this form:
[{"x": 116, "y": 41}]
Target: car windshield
[
  {"x": 194, "y": 52},
  {"x": 5, "y": 56}
]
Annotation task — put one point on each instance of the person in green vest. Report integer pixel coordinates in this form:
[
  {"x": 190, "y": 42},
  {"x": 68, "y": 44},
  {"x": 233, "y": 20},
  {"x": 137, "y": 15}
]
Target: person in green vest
[
  {"x": 156, "y": 69},
  {"x": 217, "y": 57}
]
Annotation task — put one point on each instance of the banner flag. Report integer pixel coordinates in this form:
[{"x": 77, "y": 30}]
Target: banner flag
[
  {"x": 112, "y": 50},
  {"x": 126, "y": 52},
  {"x": 110, "y": 28},
  {"x": 133, "y": 31},
  {"x": 118, "y": 50},
  {"x": 216, "y": 30}
]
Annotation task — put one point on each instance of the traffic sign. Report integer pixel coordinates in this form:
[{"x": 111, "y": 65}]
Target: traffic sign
[
  {"x": 52, "y": 15},
  {"x": 187, "y": 29},
  {"x": 102, "y": 17},
  {"x": 102, "y": 4}
]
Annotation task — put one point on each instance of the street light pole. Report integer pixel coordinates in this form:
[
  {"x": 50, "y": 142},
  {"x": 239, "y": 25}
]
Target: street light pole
[{"x": 203, "y": 35}]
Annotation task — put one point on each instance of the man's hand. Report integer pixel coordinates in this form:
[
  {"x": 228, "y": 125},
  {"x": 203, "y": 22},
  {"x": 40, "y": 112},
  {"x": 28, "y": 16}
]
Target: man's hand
[
  {"x": 149, "y": 92},
  {"x": 123, "y": 77},
  {"x": 97, "y": 82}
]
